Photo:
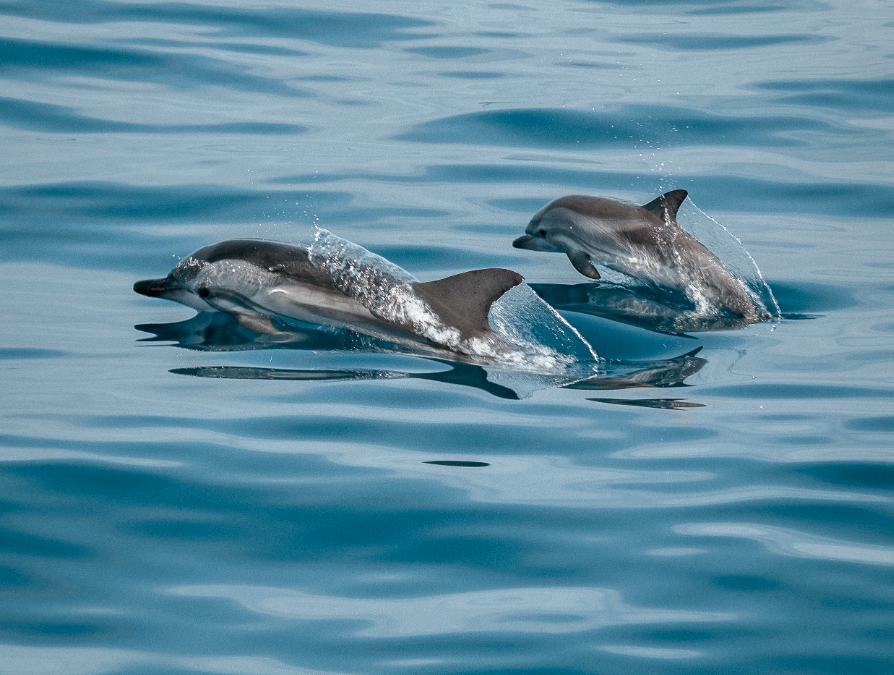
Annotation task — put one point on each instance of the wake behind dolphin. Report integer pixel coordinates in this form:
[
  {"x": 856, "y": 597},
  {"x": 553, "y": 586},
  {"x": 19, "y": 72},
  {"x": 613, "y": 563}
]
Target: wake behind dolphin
[
  {"x": 335, "y": 283},
  {"x": 644, "y": 243}
]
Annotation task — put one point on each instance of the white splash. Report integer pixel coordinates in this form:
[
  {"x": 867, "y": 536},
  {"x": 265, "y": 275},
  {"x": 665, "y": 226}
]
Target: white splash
[
  {"x": 522, "y": 318},
  {"x": 731, "y": 252},
  {"x": 527, "y": 333}
]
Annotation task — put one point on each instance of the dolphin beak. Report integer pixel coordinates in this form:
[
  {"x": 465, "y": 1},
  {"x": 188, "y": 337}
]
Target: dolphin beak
[
  {"x": 523, "y": 241},
  {"x": 535, "y": 243},
  {"x": 154, "y": 288}
]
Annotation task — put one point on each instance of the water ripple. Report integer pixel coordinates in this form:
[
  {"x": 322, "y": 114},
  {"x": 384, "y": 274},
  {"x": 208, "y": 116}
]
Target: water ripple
[
  {"x": 657, "y": 653},
  {"x": 342, "y": 29},
  {"x": 29, "y": 59},
  {"x": 718, "y": 190},
  {"x": 630, "y": 125},
  {"x": 525, "y": 610},
  {"x": 29, "y": 660},
  {"x": 40, "y": 455},
  {"x": 57, "y": 119},
  {"x": 787, "y": 542},
  {"x": 277, "y": 524},
  {"x": 851, "y": 95},
  {"x": 721, "y": 42}
]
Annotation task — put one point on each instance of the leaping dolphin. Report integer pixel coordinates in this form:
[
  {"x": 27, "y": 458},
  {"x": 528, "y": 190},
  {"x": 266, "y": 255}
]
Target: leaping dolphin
[
  {"x": 643, "y": 242},
  {"x": 257, "y": 281}
]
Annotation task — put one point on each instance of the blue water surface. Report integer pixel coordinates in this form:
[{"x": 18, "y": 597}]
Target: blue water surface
[{"x": 180, "y": 495}]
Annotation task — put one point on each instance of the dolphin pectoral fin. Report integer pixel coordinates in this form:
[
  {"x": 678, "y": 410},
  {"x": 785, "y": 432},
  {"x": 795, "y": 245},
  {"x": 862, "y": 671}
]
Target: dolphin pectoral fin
[
  {"x": 242, "y": 309},
  {"x": 463, "y": 301},
  {"x": 257, "y": 323},
  {"x": 583, "y": 264},
  {"x": 669, "y": 202}
]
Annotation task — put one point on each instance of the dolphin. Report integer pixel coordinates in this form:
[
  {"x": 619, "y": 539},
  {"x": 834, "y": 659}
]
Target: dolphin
[
  {"x": 257, "y": 281},
  {"x": 643, "y": 242}
]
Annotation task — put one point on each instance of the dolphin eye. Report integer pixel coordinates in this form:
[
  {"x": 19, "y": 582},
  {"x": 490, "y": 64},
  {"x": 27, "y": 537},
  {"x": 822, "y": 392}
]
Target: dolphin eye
[
  {"x": 204, "y": 292},
  {"x": 541, "y": 232}
]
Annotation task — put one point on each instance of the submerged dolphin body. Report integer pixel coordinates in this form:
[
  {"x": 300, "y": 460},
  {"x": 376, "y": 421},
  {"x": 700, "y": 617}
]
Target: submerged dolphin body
[
  {"x": 643, "y": 242},
  {"x": 257, "y": 281}
]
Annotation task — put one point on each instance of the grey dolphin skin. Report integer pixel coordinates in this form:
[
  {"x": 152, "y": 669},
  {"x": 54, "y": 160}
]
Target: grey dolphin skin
[
  {"x": 257, "y": 280},
  {"x": 643, "y": 242}
]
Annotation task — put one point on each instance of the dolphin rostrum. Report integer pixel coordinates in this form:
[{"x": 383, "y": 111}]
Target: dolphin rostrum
[
  {"x": 643, "y": 242},
  {"x": 256, "y": 281}
]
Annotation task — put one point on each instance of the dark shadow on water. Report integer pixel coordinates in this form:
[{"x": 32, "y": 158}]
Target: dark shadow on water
[
  {"x": 450, "y": 462},
  {"x": 220, "y": 332},
  {"x": 249, "y": 373},
  {"x": 661, "y": 403},
  {"x": 462, "y": 374},
  {"x": 19, "y": 353}
]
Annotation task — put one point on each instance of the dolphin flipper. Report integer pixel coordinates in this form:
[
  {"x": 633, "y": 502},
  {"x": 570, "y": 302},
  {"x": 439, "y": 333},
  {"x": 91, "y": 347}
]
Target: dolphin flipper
[
  {"x": 463, "y": 300},
  {"x": 243, "y": 310},
  {"x": 668, "y": 203},
  {"x": 258, "y": 323},
  {"x": 582, "y": 263}
]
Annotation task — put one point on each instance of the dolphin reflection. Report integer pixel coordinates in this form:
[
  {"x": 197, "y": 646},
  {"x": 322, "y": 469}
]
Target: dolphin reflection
[
  {"x": 221, "y": 332},
  {"x": 639, "y": 306}
]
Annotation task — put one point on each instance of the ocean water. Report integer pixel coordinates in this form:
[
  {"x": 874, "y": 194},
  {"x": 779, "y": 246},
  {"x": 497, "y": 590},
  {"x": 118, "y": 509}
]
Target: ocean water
[{"x": 182, "y": 495}]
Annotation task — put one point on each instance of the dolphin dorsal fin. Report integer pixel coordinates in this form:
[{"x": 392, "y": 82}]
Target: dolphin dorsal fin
[
  {"x": 463, "y": 300},
  {"x": 669, "y": 202}
]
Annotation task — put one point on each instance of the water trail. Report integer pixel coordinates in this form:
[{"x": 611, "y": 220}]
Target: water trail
[
  {"x": 734, "y": 256},
  {"x": 522, "y": 318}
]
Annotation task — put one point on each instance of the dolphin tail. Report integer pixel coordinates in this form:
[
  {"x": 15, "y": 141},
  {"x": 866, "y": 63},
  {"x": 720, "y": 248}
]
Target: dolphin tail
[
  {"x": 668, "y": 203},
  {"x": 154, "y": 288},
  {"x": 463, "y": 300}
]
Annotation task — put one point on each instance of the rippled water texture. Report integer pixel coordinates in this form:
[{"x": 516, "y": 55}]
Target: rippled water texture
[{"x": 181, "y": 494}]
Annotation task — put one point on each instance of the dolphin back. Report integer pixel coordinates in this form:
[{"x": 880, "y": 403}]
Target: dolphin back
[{"x": 464, "y": 300}]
